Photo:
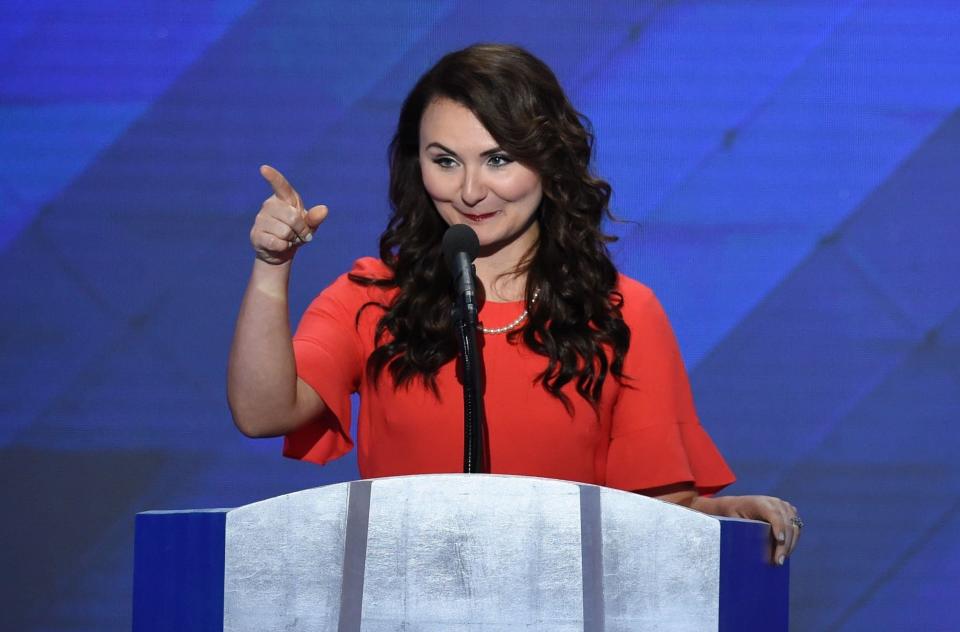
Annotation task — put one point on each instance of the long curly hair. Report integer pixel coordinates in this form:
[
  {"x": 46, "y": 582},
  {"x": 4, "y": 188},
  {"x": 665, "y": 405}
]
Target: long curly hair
[{"x": 575, "y": 322}]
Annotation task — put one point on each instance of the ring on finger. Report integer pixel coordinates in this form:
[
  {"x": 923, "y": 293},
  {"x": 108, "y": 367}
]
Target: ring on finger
[{"x": 797, "y": 522}]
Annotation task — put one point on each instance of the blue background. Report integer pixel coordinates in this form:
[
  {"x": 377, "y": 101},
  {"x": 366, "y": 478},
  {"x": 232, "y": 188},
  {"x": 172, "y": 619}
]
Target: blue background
[{"x": 791, "y": 172}]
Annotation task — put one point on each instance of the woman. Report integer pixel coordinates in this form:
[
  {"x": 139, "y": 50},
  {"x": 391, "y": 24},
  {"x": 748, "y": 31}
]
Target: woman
[{"x": 583, "y": 378}]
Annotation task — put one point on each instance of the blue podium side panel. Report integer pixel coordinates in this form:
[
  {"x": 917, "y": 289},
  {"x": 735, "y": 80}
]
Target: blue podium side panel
[
  {"x": 754, "y": 593},
  {"x": 178, "y": 571}
]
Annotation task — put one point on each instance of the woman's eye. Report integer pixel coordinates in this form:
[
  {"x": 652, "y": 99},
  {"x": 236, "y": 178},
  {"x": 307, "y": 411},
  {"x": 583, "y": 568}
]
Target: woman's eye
[
  {"x": 445, "y": 162},
  {"x": 499, "y": 160}
]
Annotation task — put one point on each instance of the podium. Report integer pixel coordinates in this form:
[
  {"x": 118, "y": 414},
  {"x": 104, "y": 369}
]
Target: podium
[{"x": 453, "y": 552}]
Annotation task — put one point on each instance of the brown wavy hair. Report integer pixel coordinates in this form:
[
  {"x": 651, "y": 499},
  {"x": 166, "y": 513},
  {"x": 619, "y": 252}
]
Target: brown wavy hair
[{"x": 575, "y": 323}]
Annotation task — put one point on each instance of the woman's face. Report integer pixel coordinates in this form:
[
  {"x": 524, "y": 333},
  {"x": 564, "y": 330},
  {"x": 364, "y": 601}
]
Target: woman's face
[{"x": 472, "y": 181}]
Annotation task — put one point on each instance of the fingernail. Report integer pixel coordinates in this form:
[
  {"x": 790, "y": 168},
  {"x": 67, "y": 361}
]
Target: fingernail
[
  {"x": 780, "y": 561},
  {"x": 782, "y": 537},
  {"x": 308, "y": 237}
]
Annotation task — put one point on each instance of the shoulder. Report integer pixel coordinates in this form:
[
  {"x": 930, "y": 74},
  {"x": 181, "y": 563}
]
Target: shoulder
[
  {"x": 354, "y": 289},
  {"x": 642, "y": 312},
  {"x": 352, "y": 282},
  {"x": 637, "y": 297},
  {"x": 371, "y": 268}
]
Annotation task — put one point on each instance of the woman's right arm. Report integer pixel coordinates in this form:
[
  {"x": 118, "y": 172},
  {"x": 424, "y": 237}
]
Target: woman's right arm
[{"x": 265, "y": 395}]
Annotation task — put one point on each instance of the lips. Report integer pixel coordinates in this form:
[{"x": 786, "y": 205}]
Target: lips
[{"x": 479, "y": 218}]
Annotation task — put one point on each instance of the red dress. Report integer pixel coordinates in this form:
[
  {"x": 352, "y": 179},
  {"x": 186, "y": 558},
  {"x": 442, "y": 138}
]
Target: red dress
[{"x": 644, "y": 434}]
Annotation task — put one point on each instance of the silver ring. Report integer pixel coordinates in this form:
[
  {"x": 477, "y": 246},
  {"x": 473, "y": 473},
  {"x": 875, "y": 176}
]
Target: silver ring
[{"x": 797, "y": 522}]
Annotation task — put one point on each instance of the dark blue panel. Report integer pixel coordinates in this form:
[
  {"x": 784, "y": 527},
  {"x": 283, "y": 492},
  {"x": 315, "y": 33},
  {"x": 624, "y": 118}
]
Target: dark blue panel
[
  {"x": 754, "y": 593},
  {"x": 178, "y": 571}
]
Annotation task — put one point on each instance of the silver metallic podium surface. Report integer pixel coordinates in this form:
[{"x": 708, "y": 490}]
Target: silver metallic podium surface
[{"x": 487, "y": 552}]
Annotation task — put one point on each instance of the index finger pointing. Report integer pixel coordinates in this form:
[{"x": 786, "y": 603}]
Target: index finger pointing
[{"x": 281, "y": 188}]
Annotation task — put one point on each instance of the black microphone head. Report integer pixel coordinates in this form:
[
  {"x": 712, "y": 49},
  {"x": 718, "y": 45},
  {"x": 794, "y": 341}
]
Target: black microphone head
[{"x": 459, "y": 238}]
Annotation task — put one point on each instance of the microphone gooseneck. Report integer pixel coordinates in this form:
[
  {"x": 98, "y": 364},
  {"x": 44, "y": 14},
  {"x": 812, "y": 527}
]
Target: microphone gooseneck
[{"x": 460, "y": 246}]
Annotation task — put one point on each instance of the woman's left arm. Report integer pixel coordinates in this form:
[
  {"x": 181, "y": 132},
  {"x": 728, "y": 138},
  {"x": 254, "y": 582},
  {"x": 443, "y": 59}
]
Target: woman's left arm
[{"x": 781, "y": 515}]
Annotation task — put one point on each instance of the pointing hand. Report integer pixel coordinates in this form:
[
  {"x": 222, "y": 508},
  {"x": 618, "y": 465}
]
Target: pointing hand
[{"x": 282, "y": 225}]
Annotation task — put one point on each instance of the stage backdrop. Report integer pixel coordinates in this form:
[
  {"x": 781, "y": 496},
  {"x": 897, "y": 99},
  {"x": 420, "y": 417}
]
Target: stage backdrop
[{"x": 788, "y": 175}]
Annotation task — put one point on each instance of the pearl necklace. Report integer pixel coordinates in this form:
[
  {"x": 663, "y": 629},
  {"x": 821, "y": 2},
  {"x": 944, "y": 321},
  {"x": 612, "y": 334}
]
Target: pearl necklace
[{"x": 515, "y": 323}]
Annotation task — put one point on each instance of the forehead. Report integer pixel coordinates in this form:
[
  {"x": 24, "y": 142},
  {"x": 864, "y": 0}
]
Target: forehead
[{"x": 455, "y": 126}]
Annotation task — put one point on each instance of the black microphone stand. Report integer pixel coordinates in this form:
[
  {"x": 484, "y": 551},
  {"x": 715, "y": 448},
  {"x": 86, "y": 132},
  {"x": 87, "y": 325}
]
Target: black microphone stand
[{"x": 474, "y": 420}]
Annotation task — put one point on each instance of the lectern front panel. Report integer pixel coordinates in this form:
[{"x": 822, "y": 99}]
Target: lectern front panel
[{"x": 456, "y": 552}]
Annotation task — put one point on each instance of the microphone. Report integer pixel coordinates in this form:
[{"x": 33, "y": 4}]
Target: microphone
[{"x": 460, "y": 247}]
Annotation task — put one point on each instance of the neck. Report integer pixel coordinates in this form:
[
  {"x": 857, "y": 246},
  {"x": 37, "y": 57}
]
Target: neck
[{"x": 497, "y": 268}]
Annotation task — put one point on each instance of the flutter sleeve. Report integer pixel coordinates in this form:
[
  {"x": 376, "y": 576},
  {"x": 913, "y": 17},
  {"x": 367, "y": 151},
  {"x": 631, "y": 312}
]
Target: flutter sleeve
[
  {"x": 656, "y": 438},
  {"x": 329, "y": 358}
]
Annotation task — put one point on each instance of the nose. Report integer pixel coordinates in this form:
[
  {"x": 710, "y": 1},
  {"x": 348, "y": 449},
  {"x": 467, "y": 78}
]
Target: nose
[{"x": 473, "y": 190}]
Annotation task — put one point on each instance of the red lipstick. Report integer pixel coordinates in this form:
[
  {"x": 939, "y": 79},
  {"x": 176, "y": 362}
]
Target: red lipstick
[{"x": 479, "y": 218}]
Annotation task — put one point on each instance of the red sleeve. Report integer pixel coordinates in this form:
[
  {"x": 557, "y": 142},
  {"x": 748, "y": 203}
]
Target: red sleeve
[
  {"x": 656, "y": 437},
  {"x": 329, "y": 357}
]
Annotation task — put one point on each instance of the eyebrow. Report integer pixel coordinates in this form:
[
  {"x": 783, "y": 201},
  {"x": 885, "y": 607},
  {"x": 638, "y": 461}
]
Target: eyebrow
[{"x": 489, "y": 152}]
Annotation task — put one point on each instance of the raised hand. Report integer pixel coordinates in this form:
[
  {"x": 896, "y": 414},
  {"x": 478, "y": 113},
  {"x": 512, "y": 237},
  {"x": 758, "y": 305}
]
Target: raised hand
[{"x": 282, "y": 225}]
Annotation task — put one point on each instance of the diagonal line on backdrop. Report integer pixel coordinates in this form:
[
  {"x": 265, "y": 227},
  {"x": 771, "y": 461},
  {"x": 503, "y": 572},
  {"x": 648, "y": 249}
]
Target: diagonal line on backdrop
[
  {"x": 90, "y": 371},
  {"x": 836, "y": 234},
  {"x": 70, "y": 272},
  {"x": 633, "y": 36},
  {"x": 374, "y": 84},
  {"x": 52, "y": 196},
  {"x": 873, "y": 283},
  {"x": 896, "y": 566},
  {"x": 753, "y": 114},
  {"x": 844, "y": 410}
]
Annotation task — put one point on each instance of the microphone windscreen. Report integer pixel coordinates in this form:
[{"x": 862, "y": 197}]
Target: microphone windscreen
[{"x": 459, "y": 238}]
